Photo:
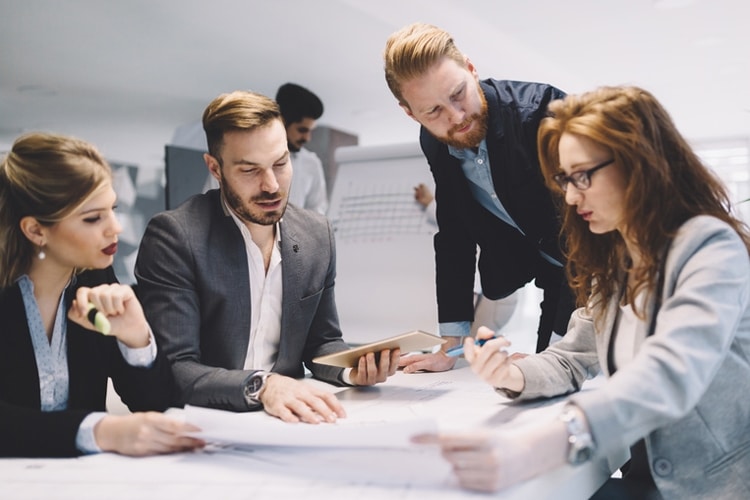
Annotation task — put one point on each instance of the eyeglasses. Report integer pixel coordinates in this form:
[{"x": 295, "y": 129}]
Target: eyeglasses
[{"x": 581, "y": 179}]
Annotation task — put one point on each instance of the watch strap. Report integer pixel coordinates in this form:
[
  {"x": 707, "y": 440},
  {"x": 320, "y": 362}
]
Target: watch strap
[
  {"x": 253, "y": 387},
  {"x": 580, "y": 442}
]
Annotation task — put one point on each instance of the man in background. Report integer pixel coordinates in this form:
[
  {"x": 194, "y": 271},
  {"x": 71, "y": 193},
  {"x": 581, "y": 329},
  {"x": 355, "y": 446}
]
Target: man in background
[{"x": 300, "y": 109}]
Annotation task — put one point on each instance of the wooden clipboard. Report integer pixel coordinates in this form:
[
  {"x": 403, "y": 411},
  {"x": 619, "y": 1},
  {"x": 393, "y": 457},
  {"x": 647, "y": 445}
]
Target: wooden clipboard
[{"x": 416, "y": 340}]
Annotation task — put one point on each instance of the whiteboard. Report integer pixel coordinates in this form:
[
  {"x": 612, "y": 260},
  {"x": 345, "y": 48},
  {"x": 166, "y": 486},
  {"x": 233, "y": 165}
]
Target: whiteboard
[{"x": 385, "y": 281}]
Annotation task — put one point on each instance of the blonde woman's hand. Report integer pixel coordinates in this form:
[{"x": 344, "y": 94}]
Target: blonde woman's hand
[
  {"x": 120, "y": 307},
  {"x": 145, "y": 433}
]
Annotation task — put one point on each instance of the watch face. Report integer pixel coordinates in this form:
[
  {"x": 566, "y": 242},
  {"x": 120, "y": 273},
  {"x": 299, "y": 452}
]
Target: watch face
[{"x": 255, "y": 384}]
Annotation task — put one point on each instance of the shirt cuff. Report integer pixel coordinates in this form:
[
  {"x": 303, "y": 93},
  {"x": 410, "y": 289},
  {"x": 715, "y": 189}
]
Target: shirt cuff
[
  {"x": 455, "y": 329},
  {"x": 85, "y": 440},
  {"x": 346, "y": 376},
  {"x": 140, "y": 356}
]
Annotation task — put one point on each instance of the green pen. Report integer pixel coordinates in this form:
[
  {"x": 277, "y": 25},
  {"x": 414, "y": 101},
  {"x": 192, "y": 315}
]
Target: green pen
[{"x": 99, "y": 320}]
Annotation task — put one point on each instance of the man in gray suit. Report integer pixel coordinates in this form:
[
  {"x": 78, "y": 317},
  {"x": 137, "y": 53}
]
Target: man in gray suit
[{"x": 239, "y": 297}]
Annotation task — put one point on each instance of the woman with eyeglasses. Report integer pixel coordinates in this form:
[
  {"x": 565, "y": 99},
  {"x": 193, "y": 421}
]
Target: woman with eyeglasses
[
  {"x": 661, "y": 270},
  {"x": 67, "y": 324}
]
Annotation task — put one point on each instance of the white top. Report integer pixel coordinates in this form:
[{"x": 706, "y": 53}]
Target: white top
[
  {"x": 265, "y": 302},
  {"x": 308, "y": 188}
]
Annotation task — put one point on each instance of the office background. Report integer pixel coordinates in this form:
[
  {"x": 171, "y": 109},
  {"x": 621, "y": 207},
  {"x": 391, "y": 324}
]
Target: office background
[{"x": 126, "y": 75}]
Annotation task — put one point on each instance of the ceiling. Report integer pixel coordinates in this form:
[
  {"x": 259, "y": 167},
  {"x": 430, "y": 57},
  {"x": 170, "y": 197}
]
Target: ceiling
[{"x": 125, "y": 74}]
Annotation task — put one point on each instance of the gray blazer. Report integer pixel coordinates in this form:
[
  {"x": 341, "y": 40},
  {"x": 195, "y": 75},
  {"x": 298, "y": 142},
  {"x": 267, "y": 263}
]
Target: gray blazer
[
  {"x": 687, "y": 388},
  {"x": 192, "y": 277}
]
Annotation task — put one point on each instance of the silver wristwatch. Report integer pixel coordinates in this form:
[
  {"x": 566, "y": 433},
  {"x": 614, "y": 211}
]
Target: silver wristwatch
[
  {"x": 580, "y": 443},
  {"x": 253, "y": 386}
]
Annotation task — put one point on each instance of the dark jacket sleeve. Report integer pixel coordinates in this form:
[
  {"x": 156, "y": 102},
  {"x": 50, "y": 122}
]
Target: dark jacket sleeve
[
  {"x": 93, "y": 358},
  {"x": 191, "y": 271},
  {"x": 25, "y": 430}
]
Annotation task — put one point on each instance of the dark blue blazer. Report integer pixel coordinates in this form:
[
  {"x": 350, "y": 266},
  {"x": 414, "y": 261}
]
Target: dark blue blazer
[{"x": 508, "y": 259}]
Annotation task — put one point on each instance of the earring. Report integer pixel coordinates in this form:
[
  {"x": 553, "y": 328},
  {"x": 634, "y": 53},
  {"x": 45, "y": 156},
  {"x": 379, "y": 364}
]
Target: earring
[{"x": 41, "y": 255}]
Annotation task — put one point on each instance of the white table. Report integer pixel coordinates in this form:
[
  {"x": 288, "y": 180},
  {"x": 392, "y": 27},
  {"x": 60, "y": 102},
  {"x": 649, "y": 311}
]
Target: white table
[{"x": 455, "y": 399}]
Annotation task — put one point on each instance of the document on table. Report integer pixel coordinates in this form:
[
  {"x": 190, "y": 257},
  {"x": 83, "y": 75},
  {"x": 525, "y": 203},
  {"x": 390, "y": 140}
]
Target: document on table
[{"x": 260, "y": 429}]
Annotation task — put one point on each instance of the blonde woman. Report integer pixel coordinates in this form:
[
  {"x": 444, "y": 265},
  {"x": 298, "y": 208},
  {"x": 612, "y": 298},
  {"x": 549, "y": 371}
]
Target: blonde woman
[{"x": 60, "y": 235}]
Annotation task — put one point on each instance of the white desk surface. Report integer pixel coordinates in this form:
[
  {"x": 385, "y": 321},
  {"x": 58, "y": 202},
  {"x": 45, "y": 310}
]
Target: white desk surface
[{"x": 455, "y": 399}]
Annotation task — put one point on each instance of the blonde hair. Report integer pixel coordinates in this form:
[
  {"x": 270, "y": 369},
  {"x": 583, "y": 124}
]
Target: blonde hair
[
  {"x": 412, "y": 51},
  {"x": 667, "y": 184},
  {"x": 238, "y": 110},
  {"x": 45, "y": 176}
]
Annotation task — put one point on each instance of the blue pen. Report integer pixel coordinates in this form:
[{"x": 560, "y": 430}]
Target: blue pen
[{"x": 459, "y": 349}]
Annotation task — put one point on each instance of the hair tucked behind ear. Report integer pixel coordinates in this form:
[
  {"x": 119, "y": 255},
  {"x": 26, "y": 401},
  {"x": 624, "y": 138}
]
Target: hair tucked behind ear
[
  {"x": 667, "y": 184},
  {"x": 45, "y": 176}
]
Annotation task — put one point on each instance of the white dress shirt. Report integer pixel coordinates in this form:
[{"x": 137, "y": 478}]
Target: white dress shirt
[{"x": 265, "y": 301}]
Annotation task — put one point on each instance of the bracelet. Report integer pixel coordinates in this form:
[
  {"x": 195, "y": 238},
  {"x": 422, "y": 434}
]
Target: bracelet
[
  {"x": 507, "y": 392},
  {"x": 580, "y": 443}
]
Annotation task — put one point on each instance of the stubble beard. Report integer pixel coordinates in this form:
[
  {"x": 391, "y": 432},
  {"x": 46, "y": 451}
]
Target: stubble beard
[{"x": 243, "y": 210}]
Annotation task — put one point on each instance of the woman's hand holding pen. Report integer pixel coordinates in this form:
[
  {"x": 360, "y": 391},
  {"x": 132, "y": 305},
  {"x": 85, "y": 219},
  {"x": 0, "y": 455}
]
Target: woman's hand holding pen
[
  {"x": 121, "y": 310},
  {"x": 491, "y": 362}
]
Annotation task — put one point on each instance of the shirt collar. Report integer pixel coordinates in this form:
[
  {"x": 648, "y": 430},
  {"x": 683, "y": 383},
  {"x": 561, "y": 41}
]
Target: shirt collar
[
  {"x": 243, "y": 228},
  {"x": 463, "y": 153}
]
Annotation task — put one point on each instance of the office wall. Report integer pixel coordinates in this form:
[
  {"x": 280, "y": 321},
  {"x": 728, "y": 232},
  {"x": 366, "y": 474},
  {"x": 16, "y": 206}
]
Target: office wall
[
  {"x": 324, "y": 142},
  {"x": 386, "y": 279}
]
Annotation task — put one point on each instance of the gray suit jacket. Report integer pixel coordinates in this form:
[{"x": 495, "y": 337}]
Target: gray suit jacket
[
  {"x": 192, "y": 276},
  {"x": 687, "y": 388}
]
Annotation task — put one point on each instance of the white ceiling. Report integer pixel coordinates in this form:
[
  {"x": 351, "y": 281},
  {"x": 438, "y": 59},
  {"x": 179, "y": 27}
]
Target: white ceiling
[{"x": 125, "y": 74}]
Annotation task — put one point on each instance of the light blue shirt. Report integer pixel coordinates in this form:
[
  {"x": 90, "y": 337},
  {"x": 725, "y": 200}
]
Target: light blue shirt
[
  {"x": 476, "y": 168},
  {"x": 52, "y": 362}
]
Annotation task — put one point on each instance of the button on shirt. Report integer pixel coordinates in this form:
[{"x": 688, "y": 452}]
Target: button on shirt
[{"x": 52, "y": 361}]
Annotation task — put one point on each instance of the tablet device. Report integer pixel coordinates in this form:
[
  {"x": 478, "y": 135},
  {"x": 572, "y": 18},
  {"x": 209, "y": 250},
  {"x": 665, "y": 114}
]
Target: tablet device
[{"x": 407, "y": 342}]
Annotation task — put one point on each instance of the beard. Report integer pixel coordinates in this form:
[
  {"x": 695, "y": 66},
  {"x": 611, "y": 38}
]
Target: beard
[
  {"x": 294, "y": 148},
  {"x": 472, "y": 138},
  {"x": 244, "y": 210}
]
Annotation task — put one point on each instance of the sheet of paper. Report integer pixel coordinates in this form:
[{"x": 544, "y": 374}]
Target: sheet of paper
[
  {"x": 456, "y": 400},
  {"x": 260, "y": 429}
]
